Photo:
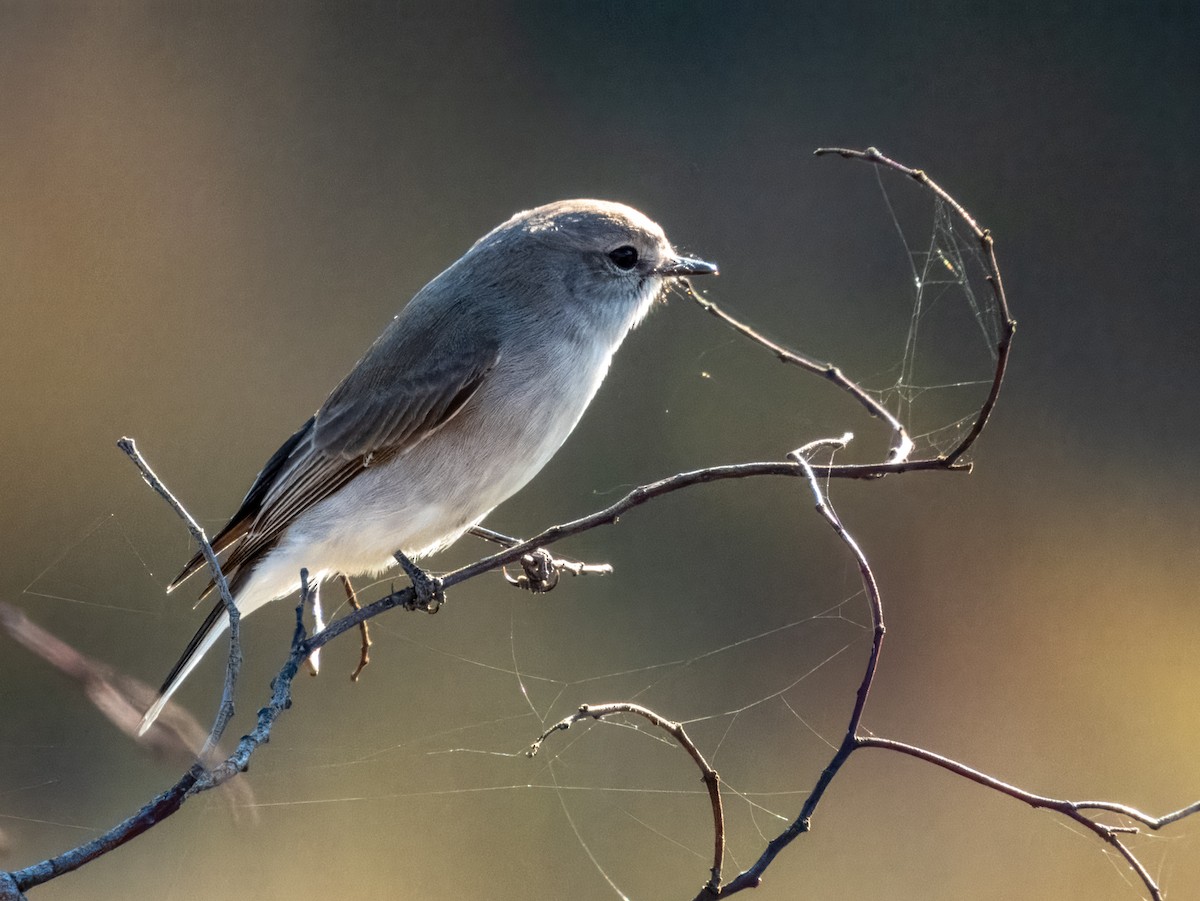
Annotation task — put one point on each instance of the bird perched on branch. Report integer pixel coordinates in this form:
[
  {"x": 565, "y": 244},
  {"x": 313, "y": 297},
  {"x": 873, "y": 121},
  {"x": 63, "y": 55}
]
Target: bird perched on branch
[{"x": 464, "y": 397}]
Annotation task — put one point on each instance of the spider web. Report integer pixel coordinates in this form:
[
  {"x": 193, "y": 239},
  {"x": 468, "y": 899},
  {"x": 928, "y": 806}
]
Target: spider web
[{"x": 949, "y": 347}]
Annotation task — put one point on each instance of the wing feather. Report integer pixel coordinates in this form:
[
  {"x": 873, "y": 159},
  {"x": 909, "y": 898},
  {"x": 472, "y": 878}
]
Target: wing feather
[
  {"x": 251, "y": 503},
  {"x": 407, "y": 386}
]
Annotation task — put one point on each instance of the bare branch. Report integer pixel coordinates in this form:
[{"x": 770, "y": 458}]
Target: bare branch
[
  {"x": 711, "y": 779},
  {"x": 752, "y": 877},
  {"x": 1008, "y": 325},
  {"x": 8, "y": 888},
  {"x": 902, "y": 445},
  {"x": 234, "y": 661},
  {"x": 1133, "y": 813},
  {"x": 158, "y": 809},
  {"x": 1071, "y": 809}
]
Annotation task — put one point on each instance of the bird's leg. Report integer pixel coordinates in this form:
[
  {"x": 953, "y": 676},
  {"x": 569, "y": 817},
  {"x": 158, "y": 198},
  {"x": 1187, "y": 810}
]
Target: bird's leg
[
  {"x": 541, "y": 568},
  {"x": 540, "y": 572},
  {"x": 314, "y": 659},
  {"x": 428, "y": 589},
  {"x": 364, "y": 630}
]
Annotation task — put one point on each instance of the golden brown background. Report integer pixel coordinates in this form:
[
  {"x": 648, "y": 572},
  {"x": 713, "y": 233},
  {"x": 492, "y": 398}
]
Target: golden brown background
[{"x": 208, "y": 210}]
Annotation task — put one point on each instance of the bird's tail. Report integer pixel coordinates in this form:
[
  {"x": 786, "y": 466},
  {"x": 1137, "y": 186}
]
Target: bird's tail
[{"x": 206, "y": 636}]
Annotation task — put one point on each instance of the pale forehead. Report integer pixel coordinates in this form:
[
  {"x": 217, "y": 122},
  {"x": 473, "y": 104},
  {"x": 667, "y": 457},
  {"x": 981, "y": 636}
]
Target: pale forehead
[{"x": 595, "y": 217}]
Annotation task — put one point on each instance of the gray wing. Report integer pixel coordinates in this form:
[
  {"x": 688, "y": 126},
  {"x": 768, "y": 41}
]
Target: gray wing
[{"x": 409, "y": 384}]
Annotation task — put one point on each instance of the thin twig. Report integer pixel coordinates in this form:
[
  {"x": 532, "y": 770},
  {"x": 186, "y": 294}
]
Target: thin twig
[
  {"x": 987, "y": 245},
  {"x": 752, "y": 877},
  {"x": 493, "y": 536},
  {"x": 405, "y": 597},
  {"x": 233, "y": 663},
  {"x": 711, "y": 779},
  {"x": 1071, "y": 809},
  {"x": 902, "y": 445},
  {"x": 1133, "y": 813}
]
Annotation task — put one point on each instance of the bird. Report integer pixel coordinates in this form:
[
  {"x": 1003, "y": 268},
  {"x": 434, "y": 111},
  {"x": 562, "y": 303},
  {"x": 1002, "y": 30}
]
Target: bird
[{"x": 467, "y": 393}]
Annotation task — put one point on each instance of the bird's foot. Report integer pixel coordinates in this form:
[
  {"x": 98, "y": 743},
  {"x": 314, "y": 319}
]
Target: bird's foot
[
  {"x": 539, "y": 572},
  {"x": 542, "y": 571},
  {"x": 428, "y": 593},
  {"x": 541, "y": 568}
]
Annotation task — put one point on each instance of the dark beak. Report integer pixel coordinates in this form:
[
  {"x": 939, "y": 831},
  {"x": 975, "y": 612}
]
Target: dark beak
[{"x": 685, "y": 266}]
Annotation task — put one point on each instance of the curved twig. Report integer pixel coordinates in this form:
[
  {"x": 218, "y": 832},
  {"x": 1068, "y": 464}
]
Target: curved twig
[
  {"x": 712, "y": 780},
  {"x": 1070, "y": 809},
  {"x": 1133, "y": 813},
  {"x": 752, "y": 877},
  {"x": 987, "y": 245},
  {"x": 233, "y": 663},
  {"x": 902, "y": 445}
]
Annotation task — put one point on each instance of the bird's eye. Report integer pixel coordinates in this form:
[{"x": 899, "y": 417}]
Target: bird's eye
[{"x": 624, "y": 257}]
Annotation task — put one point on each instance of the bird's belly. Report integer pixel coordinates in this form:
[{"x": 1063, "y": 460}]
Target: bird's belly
[
  {"x": 423, "y": 499},
  {"x": 393, "y": 507}
]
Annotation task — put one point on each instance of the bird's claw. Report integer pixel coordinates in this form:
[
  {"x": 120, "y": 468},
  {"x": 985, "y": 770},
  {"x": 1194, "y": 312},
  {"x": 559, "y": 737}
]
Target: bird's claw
[
  {"x": 541, "y": 572},
  {"x": 429, "y": 592}
]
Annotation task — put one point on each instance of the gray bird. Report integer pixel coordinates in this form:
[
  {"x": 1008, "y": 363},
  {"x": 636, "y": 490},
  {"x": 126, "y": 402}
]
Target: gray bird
[{"x": 465, "y": 396}]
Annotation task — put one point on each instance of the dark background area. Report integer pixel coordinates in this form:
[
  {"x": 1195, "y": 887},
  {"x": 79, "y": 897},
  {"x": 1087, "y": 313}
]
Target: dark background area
[{"x": 207, "y": 211}]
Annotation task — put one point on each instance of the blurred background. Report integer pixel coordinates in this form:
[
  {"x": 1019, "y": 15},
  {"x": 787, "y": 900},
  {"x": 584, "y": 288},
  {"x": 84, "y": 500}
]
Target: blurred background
[{"x": 208, "y": 211}]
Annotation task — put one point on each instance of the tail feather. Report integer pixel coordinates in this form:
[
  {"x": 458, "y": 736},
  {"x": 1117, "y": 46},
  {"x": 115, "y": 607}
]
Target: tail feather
[
  {"x": 224, "y": 540},
  {"x": 206, "y": 636},
  {"x": 252, "y": 504}
]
